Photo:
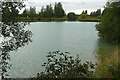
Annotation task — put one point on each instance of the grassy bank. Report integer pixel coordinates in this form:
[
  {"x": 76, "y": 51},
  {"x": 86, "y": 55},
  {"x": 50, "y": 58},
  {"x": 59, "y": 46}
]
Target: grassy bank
[
  {"x": 107, "y": 66},
  {"x": 89, "y": 19},
  {"x": 38, "y": 19}
]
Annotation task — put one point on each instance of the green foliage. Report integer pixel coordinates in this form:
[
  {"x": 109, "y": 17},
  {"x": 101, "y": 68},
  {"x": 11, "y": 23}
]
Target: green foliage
[
  {"x": 49, "y": 12},
  {"x": 57, "y": 13},
  {"x": 83, "y": 16},
  {"x": 109, "y": 27},
  {"x": 10, "y": 10},
  {"x": 29, "y": 13},
  {"x": 84, "y": 12},
  {"x": 25, "y": 13},
  {"x": 62, "y": 65},
  {"x": 58, "y": 10},
  {"x": 96, "y": 13},
  {"x": 108, "y": 63},
  {"x": 106, "y": 70},
  {"x": 12, "y": 32},
  {"x": 71, "y": 16},
  {"x": 32, "y": 12}
]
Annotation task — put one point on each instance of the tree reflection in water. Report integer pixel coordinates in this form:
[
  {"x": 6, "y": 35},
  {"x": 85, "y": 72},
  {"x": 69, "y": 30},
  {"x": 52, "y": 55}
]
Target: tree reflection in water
[{"x": 12, "y": 33}]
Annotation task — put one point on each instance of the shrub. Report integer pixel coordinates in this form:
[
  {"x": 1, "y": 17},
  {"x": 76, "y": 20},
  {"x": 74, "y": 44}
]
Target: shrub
[{"x": 62, "y": 65}]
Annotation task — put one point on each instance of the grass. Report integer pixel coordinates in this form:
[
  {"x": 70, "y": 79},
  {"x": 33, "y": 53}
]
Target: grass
[
  {"x": 89, "y": 19},
  {"x": 39, "y": 19},
  {"x": 108, "y": 64}
]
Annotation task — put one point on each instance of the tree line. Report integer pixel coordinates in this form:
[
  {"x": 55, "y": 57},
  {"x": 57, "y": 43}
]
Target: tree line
[
  {"x": 57, "y": 11},
  {"x": 96, "y": 13},
  {"x": 46, "y": 12}
]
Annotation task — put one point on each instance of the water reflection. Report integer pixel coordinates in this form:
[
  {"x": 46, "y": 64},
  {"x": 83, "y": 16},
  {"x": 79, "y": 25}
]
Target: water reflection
[{"x": 13, "y": 37}]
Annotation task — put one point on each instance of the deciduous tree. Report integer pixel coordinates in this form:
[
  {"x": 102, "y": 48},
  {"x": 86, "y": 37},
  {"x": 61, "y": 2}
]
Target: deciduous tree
[{"x": 109, "y": 27}]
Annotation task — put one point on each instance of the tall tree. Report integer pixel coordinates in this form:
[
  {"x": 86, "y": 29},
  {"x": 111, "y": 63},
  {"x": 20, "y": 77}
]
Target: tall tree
[
  {"x": 83, "y": 12},
  {"x": 98, "y": 12},
  {"x": 91, "y": 14},
  {"x": 42, "y": 11},
  {"x": 86, "y": 12},
  {"x": 50, "y": 11},
  {"x": 47, "y": 12},
  {"x": 32, "y": 12},
  {"x": 109, "y": 27},
  {"x": 58, "y": 10},
  {"x": 26, "y": 13}
]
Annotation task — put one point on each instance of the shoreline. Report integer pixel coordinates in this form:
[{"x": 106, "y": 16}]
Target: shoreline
[
  {"x": 39, "y": 19},
  {"x": 58, "y": 21}
]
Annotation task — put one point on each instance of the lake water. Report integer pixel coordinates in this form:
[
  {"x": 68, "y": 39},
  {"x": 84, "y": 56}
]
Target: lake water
[{"x": 75, "y": 37}]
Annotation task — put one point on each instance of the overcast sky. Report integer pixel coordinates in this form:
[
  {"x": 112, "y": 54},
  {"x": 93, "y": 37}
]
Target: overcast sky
[{"x": 76, "y": 6}]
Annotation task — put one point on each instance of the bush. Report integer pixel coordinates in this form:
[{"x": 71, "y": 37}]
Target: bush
[
  {"x": 109, "y": 27},
  {"x": 83, "y": 16},
  {"x": 62, "y": 65},
  {"x": 71, "y": 16}
]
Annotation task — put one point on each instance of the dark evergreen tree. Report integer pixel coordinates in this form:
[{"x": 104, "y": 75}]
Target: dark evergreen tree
[
  {"x": 58, "y": 10},
  {"x": 85, "y": 12},
  {"x": 42, "y": 11},
  {"x": 98, "y": 12},
  {"x": 25, "y": 13},
  {"x": 94, "y": 13},
  {"x": 47, "y": 12},
  {"x": 91, "y": 14},
  {"x": 51, "y": 11},
  {"x": 32, "y": 12}
]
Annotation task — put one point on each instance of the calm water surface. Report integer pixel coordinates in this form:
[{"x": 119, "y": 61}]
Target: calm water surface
[{"x": 75, "y": 37}]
